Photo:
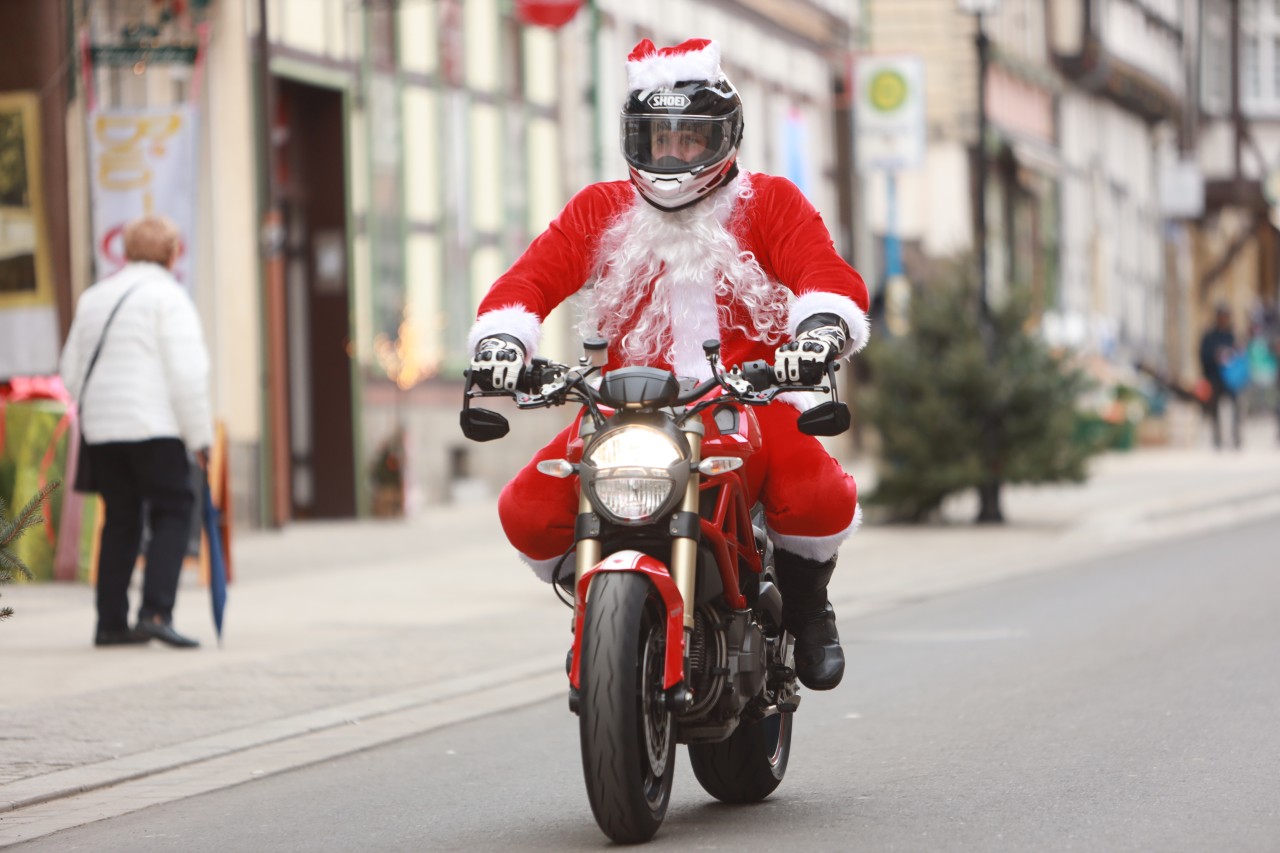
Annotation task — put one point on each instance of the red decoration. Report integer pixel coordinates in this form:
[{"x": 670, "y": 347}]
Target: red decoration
[{"x": 547, "y": 13}]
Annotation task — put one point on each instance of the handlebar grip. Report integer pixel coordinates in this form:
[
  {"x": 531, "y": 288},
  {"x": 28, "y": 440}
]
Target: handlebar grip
[
  {"x": 759, "y": 373},
  {"x": 531, "y": 380},
  {"x": 812, "y": 373}
]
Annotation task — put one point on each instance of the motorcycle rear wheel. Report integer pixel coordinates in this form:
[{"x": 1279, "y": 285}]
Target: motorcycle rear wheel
[
  {"x": 628, "y": 736},
  {"x": 748, "y": 765}
]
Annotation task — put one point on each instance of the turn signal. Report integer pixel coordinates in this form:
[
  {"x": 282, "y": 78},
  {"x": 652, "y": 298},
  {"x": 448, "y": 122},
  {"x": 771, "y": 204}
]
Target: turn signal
[
  {"x": 556, "y": 468},
  {"x": 713, "y": 465}
]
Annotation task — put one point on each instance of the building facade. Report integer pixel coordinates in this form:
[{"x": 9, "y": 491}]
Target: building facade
[
  {"x": 1234, "y": 249},
  {"x": 1083, "y": 101},
  {"x": 362, "y": 171}
]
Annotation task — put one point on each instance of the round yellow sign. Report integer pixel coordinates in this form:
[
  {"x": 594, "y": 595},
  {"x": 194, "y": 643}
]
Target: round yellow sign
[{"x": 888, "y": 90}]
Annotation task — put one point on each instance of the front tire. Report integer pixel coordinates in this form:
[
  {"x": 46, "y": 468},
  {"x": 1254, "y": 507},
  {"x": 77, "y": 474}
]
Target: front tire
[
  {"x": 628, "y": 736},
  {"x": 748, "y": 765}
]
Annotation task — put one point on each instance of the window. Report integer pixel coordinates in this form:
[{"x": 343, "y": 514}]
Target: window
[
  {"x": 1215, "y": 80},
  {"x": 1250, "y": 70},
  {"x": 1260, "y": 56}
]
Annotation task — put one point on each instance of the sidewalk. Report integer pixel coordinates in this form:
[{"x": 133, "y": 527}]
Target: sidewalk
[{"x": 424, "y": 622}]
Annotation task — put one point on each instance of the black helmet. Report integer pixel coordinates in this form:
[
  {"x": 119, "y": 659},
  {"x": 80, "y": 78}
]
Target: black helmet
[{"x": 680, "y": 134}]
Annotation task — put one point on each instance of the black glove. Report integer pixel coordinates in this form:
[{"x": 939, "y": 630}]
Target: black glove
[
  {"x": 803, "y": 361},
  {"x": 498, "y": 362}
]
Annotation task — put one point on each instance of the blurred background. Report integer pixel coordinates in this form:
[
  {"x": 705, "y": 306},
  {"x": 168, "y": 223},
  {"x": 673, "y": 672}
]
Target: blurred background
[{"x": 351, "y": 175}]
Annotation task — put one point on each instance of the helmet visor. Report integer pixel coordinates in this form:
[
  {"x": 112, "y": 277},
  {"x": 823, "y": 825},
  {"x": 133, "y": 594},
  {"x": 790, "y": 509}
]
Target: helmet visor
[{"x": 673, "y": 144}]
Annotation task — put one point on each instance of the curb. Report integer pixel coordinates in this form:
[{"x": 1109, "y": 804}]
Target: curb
[{"x": 73, "y": 781}]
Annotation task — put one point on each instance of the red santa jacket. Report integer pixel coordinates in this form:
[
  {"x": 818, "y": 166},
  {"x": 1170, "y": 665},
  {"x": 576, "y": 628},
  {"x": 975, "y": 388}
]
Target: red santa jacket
[{"x": 777, "y": 224}]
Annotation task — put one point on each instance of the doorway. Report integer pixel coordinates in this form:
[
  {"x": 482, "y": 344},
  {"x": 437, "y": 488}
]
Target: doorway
[{"x": 309, "y": 170}]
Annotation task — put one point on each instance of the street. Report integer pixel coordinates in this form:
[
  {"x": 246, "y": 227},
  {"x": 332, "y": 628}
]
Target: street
[{"x": 1122, "y": 703}]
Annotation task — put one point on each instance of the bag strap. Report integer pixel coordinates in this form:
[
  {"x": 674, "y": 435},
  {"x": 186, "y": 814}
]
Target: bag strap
[{"x": 97, "y": 351}]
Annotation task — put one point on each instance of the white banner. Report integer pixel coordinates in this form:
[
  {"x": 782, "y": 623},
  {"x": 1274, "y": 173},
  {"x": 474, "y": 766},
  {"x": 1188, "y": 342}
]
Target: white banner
[
  {"x": 142, "y": 162},
  {"x": 890, "y": 113}
]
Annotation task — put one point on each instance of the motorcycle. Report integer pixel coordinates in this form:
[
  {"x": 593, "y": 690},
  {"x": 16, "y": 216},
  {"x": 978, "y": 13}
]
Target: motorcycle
[{"x": 677, "y": 618}]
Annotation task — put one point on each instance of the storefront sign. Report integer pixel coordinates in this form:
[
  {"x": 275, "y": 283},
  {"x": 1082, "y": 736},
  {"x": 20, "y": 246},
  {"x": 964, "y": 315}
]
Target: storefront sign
[{"x": 28, "y": 314}]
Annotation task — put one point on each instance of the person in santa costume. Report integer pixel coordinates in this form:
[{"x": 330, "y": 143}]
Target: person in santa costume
[{"x": 692, "y": 248}]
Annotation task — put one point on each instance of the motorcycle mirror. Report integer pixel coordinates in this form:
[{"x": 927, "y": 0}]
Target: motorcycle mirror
[
  {"x": 829, "y": 418},
  {"x": 483, "y": 425}
]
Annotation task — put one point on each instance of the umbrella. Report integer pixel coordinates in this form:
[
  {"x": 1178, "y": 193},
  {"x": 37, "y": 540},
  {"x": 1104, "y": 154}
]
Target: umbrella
[{"x": 217, "y": 564}]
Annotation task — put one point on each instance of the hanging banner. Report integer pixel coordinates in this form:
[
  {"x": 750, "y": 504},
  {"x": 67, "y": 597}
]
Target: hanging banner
[
  {"x": 142, "y": 162},
  {"x": 890, "y": 113},
  {"x": 547, "y": 13}
]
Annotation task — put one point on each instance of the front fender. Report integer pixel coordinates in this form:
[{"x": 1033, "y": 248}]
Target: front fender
[{"x": 660, "y": 577}]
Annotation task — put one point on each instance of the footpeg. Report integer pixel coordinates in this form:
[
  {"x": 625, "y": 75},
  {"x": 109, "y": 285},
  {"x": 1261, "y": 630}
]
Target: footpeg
[{"x": 788, "y": 706}]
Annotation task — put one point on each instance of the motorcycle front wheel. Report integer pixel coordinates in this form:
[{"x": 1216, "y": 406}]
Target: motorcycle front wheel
[
  {"x": 749, "y": 764},
  {"x": 628, "y": 736}
]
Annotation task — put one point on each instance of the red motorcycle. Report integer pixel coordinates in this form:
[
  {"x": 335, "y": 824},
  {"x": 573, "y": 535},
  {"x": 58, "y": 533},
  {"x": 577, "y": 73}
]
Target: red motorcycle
[{"x": 678, "y": 633}]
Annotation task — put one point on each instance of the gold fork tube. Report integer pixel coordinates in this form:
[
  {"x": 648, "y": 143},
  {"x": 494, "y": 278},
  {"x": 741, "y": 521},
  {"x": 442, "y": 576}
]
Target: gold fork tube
[
  {"x": 684, "y": 550},
  {"x": 588, "y": 549}
]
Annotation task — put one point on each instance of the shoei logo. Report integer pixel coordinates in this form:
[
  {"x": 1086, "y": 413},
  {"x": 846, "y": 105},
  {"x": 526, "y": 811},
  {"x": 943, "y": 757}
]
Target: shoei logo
[{"x": 668, "y": 101}]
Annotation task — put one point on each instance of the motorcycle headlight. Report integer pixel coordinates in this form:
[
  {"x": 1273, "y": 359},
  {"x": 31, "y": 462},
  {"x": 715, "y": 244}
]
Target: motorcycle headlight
[{"x": 633, "y": 473}]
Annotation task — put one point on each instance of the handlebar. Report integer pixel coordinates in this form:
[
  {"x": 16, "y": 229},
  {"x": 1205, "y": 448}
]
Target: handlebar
[{"x": 546, "y": 383}]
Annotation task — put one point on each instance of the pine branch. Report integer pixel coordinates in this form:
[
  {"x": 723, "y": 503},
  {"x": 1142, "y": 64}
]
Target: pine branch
[
  {"x": 11, "y": 529},
  {"x": 28, "y": 517}
]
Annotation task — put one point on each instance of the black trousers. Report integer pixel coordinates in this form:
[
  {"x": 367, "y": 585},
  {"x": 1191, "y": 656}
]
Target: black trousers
[{"x": 156, "y": 475}]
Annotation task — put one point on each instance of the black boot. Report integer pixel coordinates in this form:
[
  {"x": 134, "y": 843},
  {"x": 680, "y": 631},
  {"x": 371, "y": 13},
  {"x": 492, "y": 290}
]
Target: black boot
[{"x": 808, "y": 617}]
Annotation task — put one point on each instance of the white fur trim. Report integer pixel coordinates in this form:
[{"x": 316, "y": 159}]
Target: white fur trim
[
  {"x": 822, "y": 302},
  {"x": 545, "y": 568},
  {"x": 802, "y": 400},
  {"x": 820, "y": 548},
  {"x": 514, "y": 320},
  {"x": 656, "y": 71},
  {"x": 696, "y": 303}
]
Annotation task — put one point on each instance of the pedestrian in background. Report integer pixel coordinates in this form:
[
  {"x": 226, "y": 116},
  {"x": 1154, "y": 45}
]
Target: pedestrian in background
[
  {"x": 145, "y": 404},
  {"x": 1265, "y": 355},
  {"x": 1217, "y": 352}
]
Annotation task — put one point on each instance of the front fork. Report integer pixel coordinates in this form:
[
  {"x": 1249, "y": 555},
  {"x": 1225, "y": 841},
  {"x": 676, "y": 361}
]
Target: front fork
[{"x": 684, "y": 553}]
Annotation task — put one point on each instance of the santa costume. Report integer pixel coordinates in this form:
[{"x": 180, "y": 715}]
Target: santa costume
[{"x": 665, "y": 261}]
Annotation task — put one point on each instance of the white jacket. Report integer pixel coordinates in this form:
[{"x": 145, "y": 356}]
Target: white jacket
[{"x": 152, "y": 378}]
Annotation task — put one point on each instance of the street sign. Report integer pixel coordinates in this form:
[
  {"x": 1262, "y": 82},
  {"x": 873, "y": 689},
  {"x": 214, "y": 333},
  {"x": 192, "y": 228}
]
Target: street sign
[{"x": 890, "y": 112}]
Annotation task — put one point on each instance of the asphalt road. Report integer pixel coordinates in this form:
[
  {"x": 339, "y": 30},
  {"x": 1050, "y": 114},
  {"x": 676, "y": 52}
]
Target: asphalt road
[{"x": 1127, "y": 704}]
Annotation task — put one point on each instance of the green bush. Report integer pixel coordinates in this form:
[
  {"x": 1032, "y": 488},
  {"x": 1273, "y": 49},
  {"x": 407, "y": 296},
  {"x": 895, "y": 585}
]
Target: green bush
[{"x": 955, "y": 412}]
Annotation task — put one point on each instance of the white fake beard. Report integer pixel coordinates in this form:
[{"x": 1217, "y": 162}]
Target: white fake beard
[{"x": 685, "y": 259}]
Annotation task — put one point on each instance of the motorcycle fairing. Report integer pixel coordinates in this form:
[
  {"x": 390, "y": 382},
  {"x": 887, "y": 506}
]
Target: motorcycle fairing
[{"x": 636, "y": 561}]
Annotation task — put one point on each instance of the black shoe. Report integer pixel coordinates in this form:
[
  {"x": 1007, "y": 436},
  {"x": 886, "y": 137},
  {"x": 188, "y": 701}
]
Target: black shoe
[
  {"x": 809, "y": 618},
  {"x": 165, "y": 634},
  {"x": 120, "y": 637}
]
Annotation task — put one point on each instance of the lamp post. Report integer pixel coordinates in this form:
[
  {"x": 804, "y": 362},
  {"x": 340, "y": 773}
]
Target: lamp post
[
  {"x": 980, "y": 9},
  {"x": 989, "y": 510}
]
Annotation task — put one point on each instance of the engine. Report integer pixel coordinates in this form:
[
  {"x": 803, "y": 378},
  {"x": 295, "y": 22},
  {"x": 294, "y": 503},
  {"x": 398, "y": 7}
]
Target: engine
[{"x": 728, "y": 667}]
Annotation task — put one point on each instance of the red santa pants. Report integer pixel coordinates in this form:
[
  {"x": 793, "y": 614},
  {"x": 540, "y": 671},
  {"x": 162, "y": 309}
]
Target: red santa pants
[{"x": 810, "y": 503}]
